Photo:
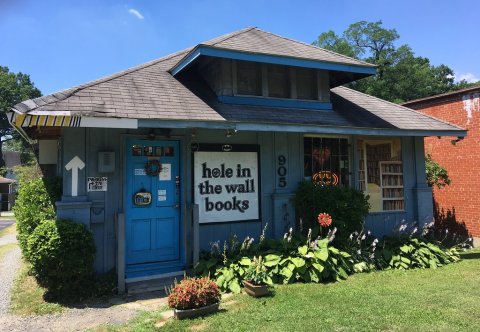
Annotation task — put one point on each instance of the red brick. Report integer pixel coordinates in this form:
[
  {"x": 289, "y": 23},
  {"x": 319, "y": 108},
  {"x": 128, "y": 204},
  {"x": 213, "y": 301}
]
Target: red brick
[{"x": 461, "y": 160}]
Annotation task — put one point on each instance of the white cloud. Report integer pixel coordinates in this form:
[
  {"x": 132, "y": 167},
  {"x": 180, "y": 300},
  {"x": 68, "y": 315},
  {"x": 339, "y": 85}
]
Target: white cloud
[
  {"x": 469, "y": 77},
  {"x": 135, "y": 13}
]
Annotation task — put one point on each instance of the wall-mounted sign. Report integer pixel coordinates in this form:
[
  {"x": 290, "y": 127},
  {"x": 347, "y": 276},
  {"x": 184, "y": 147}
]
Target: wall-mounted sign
[
  {"x": 142, "y": 198},
  {"x": 140, "y": 171},
  {"x": 97, "y": 183},
  {"x": 166, "y": 172},
  {"x": 226, "y": 186}
]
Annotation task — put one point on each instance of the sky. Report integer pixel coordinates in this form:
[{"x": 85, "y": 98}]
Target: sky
[{"x": 61, "y": 44}]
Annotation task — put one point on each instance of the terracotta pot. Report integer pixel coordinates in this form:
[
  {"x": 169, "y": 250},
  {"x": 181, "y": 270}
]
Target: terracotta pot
[
  {"x": 197, "y": 312},
  {"x": 255, "y": 290}
]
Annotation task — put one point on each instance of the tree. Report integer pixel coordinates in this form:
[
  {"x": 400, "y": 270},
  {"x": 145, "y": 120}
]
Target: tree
[
  {"x": 401, "y": 75},
  {"x": 14, "y": 88}
]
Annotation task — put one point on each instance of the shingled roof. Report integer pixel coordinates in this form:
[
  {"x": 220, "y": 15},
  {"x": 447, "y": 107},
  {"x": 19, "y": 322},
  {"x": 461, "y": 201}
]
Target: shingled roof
[
  {"x": 150, "y": 92},
  {"x": 254, "y": 40}
]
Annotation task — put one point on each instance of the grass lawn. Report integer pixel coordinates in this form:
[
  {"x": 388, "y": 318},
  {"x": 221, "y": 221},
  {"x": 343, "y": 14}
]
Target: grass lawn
[
  {"x": 446, "y": 299},
  {"x": 27, "y": 296}
]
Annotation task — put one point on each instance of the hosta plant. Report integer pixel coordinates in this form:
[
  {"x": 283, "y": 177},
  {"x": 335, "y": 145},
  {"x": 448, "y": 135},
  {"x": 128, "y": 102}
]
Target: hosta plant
[{"x": 257, "y": 272}]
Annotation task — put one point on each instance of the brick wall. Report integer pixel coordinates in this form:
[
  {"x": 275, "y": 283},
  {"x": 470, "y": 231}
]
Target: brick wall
[{"x": 457, "y": 205}]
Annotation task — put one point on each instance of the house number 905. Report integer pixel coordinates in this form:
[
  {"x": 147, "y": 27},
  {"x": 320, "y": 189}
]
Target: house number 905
[{"x": 282, "y": 171}]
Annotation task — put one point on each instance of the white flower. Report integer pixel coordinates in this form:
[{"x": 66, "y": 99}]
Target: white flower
[
  {"x": 364, "y": 237},
  {"x": 368, "y": 233},
  {"x": 351, "y": 236},
  {"x": 359, "y": 251}
]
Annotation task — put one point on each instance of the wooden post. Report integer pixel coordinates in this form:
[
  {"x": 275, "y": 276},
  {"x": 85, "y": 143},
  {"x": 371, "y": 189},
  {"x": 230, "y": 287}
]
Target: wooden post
[
  {"x": 196, "y": 235},
  {"x": 121, "y": 253}
]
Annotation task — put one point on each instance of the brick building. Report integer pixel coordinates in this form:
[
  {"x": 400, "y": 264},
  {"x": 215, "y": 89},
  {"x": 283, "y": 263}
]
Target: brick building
[{"x": 457, "y": 206}]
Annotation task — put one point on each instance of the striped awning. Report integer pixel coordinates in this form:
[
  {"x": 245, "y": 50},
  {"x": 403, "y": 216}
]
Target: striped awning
[{"x": 20, "y": 120}]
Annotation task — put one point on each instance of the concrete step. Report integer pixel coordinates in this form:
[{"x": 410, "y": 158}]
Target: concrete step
[{"x": 155, "y": 283}]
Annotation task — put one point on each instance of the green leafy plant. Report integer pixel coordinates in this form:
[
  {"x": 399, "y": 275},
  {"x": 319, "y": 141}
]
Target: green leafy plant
[
  {"x": 410, "y": 252},
  {"x": 346, "y": 206},
  {"x": 364, "y": 254},
  {"x": 35, "y": 202},
  {"x": 192, "y": 293},
  {"x": 62, "y": 253},
  {"x": 257, "y": 272},
  {"x": 437, "y": 175},
  {"x": 291, "y": 259}
]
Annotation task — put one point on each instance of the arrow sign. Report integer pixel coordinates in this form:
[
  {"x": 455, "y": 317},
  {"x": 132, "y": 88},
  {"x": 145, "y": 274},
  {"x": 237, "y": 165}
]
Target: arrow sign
[{"x": 75, "y": 164}]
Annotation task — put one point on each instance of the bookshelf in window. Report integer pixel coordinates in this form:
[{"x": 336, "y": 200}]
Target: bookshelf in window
[{"x": 391, "y": 177}]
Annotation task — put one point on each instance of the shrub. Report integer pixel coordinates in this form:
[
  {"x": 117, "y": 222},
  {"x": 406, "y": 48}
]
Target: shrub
[
  {"x": 62, "y": 253},
  {"x": 192, "y": 293},
  {"x": 35, "y": 202},
  {"x": 346, "y": 206}
]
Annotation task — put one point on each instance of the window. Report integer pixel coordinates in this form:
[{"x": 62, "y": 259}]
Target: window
[
  {"x": 306, "y": 80},
  {"x": 249, "y": 78},
  {"x": 381, "y": 173},
  {"x": 278, "y": 81},
  {"x": 326, "y": 160}
]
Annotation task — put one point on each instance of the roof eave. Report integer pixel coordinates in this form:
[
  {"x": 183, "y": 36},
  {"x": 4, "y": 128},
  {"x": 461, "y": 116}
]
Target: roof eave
[
  {"x": 299, "y": 128},
  {"x": 210, "y": 51}
]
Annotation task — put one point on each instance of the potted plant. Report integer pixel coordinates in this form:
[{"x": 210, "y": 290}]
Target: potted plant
[
  {"x": 256, "y": 280},
  {"x": 194, "y": 297}
]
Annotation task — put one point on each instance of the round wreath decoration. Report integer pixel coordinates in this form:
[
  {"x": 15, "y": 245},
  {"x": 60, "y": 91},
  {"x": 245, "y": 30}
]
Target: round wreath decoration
[{"x": 153, "y": 167}]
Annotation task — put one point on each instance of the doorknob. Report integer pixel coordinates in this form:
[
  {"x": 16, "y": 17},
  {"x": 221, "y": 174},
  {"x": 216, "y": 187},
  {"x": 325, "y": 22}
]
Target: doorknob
[{"x": 176, "y": 206}]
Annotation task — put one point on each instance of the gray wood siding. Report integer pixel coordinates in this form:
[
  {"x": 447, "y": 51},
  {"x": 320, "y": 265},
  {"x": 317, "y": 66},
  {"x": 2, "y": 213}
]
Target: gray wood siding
[{"x": 277, "y": 207}]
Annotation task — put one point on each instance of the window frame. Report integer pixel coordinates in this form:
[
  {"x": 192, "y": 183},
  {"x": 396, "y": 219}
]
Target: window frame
[
  {"x": 373, "y": 141},
  {"x": 349, "y": 138}
]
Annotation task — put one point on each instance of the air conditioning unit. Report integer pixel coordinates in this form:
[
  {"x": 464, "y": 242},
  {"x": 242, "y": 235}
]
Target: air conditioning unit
[{"x": 106, "y": 162}]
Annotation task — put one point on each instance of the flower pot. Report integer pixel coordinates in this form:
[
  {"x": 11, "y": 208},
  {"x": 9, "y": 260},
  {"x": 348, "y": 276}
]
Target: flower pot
[
  {"x": 255, "y": 290},
  {"x": 197, "y": 312}
]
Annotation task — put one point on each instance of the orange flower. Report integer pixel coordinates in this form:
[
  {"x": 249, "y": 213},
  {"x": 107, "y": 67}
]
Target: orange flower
[{"x": 324, "y": 219}]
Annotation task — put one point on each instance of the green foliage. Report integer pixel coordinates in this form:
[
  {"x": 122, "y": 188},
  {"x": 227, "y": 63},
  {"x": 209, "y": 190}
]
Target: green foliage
[
  {"x": 436, "y": 174},
  {"x": 409, "y": 253},
  {"x": 14, "y": 88},
  {"x": 284, "y": 261},
  {"x": 62, "y": 253},
  {"x": 347, "y": 207},
  {"x": 257, "y": 272},
  {"x": 35, "y": 201},
  {"x": 401, "y": 76},
  {"x": 299, "y": 259}
]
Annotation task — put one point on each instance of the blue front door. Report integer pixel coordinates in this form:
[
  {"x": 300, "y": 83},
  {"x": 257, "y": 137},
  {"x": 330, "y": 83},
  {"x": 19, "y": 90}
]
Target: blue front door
[{"x": 152, "y": 213}]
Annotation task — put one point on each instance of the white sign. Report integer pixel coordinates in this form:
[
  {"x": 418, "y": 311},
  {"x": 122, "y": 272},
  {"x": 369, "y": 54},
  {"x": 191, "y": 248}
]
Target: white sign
[
  {"x": 166, "y": 172},
  {"x": 140, "y": 171},
  {"x": 226, "y": 186},
  {"x": 162, "y": 195},
  {"x": 75, "y": 164},
  {"x": 97, "y": 183}
]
